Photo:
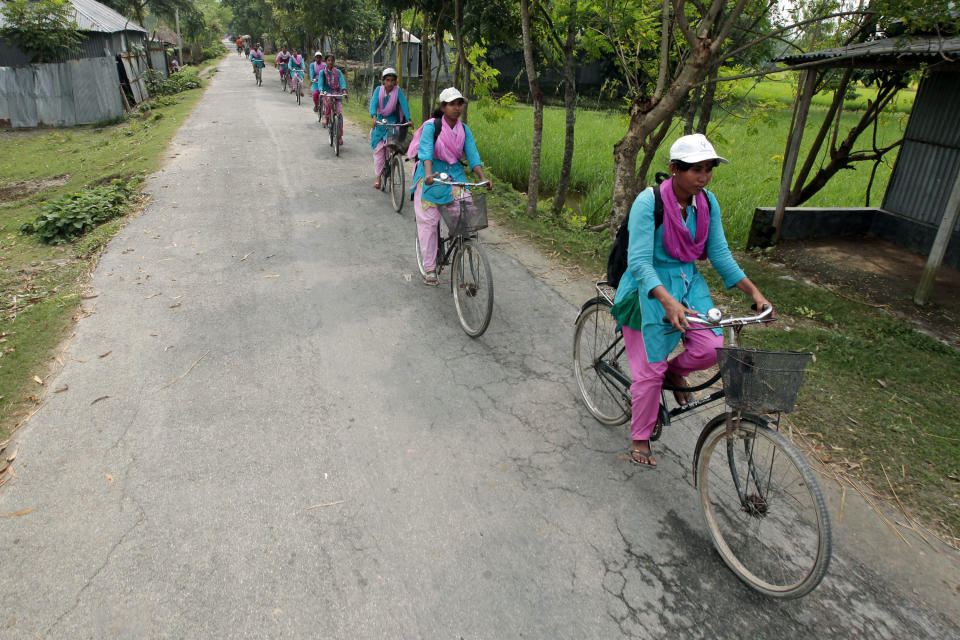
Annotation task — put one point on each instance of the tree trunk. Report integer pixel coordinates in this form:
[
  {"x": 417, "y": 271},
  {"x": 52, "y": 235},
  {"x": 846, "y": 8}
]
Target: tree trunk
[
  {"x": 691, "y": 112},
  {"x": 570, "y": 104},
  {"x": 426, "y": 100},
  {"x": 533, "y": 180},
  {"x": 707, "y": 102},
  {"x": 460, "y": 78},
  {"x": 646, "y": 117}
]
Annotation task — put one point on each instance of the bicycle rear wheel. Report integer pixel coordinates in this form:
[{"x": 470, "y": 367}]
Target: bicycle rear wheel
[
  {"x": 283, "y": 82},
  {"x": 472, "y": 283},
  {"x": 597, "y": 358},
  {"x": 763, "y": 506},
  {"x": 397, "y": 180},
  {"x": 297, "y": 86}
]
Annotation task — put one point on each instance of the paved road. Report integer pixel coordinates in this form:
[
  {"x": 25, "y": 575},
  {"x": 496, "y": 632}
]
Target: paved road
[{"x": 260, "y": 345}]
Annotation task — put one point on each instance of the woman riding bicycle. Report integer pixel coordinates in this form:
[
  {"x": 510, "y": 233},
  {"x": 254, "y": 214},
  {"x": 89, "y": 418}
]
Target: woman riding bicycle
[
  {"x": 283, "y": 57},
  {"x": 256, "y": 58},
  {"x": 662, "y": 285},
  {"x": 316, "y": 68},
  {"x": 387, "y": 103},
  {"x": 454, "y": 141},
  {"x": 295, "y": 68},
  {"x": 332, "y": 81}
]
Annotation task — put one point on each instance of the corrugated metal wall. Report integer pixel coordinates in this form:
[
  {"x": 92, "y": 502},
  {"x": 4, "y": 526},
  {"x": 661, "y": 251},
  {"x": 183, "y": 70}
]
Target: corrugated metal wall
[
  {"x": 930, "y": 158},
  {"x": 63, "y": 94}
]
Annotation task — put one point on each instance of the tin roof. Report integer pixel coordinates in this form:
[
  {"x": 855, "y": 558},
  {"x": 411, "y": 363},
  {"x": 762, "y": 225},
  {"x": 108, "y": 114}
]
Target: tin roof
[
  {"x": 90, "y": 15},
  {"x": 885, "y": 52}
]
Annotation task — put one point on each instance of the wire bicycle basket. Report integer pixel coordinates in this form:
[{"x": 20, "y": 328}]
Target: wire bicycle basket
[
  {"x": 761, "y": 381},
  {"x": 465, "y": 214}
]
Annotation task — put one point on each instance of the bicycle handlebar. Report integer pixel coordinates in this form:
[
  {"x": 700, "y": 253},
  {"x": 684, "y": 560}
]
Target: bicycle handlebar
[
  {"x": 444, "y": 178},
  {"x": 334, "y": 95},
  {"x": 384, "y": 123},
  {"x": 714, "y": 319}
]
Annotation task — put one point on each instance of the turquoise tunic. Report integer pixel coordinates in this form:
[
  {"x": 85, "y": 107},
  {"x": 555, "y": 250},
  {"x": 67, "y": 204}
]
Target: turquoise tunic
[
  {"x": 326, "y": 87},
  {"x": 649, "y": 265},
  {"x": 442, "y": 193},
  {"x": 382, "y": 133}
]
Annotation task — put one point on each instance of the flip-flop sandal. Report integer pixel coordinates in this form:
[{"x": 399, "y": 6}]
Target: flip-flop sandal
[
  {"x": 643, "y": 458},
  {"x": 431, "y": 280}
]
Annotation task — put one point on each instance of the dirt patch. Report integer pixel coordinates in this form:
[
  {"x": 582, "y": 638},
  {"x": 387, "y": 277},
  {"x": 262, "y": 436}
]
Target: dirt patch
[
  {"x": 23, "y": 188},
  {"x": 879, "y": 273}
]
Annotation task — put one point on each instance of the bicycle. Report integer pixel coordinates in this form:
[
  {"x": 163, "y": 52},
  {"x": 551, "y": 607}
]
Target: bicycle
[
  {"x": 471, "y": 281},
  {"x": 761, "y": 501},
  {"x": 335, "y": 124},
  {"x": 297, "y": 85},
  {"x": 283, "y": 76},
  {"x": 258, "y": 71},
  {"x": 393, "y": 172}
]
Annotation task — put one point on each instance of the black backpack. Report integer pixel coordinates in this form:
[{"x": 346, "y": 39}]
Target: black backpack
[{"x": 617, "y": 262}]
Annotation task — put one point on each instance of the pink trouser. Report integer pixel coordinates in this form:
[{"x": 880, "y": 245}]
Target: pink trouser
[
  {"x": 699, "y": 353},
  {"x": 316, "y": 98},
  {"x": 427, "y": 230},
  {"x": 328, "y": 105},
  {"x": 379, "y": 157}
]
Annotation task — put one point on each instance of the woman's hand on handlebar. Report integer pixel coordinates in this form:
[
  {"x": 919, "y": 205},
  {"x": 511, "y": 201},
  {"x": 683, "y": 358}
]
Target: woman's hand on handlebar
[{"x": 428, "y": 178}]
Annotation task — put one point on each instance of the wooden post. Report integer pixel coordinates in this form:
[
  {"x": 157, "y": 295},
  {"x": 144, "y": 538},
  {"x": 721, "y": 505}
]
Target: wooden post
[
  {"x": 940, "y": 243},
  {"x": 793, "y": 147}
]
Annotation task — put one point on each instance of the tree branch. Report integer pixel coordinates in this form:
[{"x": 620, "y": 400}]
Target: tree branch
[
  {"x": 683, "y": 24},
  {"x": 665, "y": 31}
]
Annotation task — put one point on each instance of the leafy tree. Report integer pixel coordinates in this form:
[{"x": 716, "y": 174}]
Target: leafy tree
[{"x": 45, "y": 28}]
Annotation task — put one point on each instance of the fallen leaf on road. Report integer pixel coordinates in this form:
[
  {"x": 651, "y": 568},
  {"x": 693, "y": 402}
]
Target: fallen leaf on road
[
  {"x": 13, "y": 455},
  {"x": 59, "y": 361},
  {"x": 99, "y": 399},
  {"x": 245, "y": 257},
  {"x": 275, "y": 275},
  {"x": 109, "y": 477},
  {"x": 37, "y": 380},
  {"x": 154, "y": 295},
  {"x": 78, "y": 360},
  {"x": 104, "y": 355},
  {"x": 882, "y": 383},
  {"x": 23, "y": 512},
  {"x": 175, "y": 305},
  {"x": 408, "y": 276},
  {"x": 90, "y": 297},
  {"x": 65, "y": 387}
]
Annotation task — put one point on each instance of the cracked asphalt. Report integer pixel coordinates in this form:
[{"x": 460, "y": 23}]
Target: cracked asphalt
[{"x": 273, "y": 429}]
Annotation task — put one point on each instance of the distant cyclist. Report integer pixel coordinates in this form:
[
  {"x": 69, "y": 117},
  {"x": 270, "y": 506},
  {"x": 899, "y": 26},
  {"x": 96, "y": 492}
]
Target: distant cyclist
[
  {"x": 387, "y": 103},
  {"x": 316, "y": 68},
  {"x": 295, "y": 67},
  {"x": 332, "y": 81},
  {"x": 256, "y": 58},
  {"x": 280, "y": 62},
  {"x": 239, "y": 46}
]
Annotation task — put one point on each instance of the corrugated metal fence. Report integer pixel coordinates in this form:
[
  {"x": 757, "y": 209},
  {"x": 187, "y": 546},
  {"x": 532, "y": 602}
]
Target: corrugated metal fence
[
  {"x": 930, "y": 158},
  {"x": 63, "y": 94}
]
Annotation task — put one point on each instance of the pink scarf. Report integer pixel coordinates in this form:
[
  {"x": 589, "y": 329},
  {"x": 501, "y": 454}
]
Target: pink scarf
[
  {"x": 333, "y": 79},
  {"x": 297, "y": 60},
  {"x": 676, "y": 238},
  {"x": 449, "y": 146},
  {"x": 391, "y": 104},
  {"x": 317, "y": 68}
]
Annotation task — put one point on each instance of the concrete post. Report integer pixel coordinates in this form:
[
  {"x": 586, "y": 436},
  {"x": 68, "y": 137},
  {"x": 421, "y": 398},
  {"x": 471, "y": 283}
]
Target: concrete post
[{"x": 940, "y": 243}]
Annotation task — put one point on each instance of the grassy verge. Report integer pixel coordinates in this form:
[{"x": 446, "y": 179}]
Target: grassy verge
[
  {"x": 869, "y": 407},
  {"x": 41, "y": 285}
]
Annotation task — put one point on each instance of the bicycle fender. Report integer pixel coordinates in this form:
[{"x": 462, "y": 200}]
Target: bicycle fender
[
  {"x": 707, "y": 428},
  {"x": 590, "y": 303}
]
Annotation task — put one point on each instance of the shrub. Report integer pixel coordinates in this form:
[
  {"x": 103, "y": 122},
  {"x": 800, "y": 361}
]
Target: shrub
[
  {"x": 45, "y": 28},
  {"x": 182, "y": 80},
  {"x": 214, "y": 50},
  {"x": 74, "y": 214}
]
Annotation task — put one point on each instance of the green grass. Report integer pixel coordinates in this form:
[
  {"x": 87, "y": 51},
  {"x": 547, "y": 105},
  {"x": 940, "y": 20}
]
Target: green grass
[
  {"x": 754, "y": 143},
  {"x": 908, "y": 422},
  {"x": 41, "y": 285}
]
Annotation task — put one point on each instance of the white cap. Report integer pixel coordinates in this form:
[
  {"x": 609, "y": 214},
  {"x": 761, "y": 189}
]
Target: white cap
[
  {"x": 318, "y": 54},
  {"x": 450, "y": 94},
  {"x": 693, "y": 149},
  {"x": 389, "y": 71}
]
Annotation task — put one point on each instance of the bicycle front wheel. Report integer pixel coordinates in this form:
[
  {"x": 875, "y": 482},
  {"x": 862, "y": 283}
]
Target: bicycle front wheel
[
  {"x": 763, "y": 506},
  {"x": 600, "y": 364},
  {"x": 472, "y": 284},
  {"x": 397, "y": 179}
]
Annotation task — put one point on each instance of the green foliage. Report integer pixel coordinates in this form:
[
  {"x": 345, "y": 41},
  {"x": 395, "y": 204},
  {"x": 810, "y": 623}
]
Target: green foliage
[
  {"x": 157, "y": 85},
  {"x": 45, "y": 28},
  {"x": 74, "y": 214},
  {"x": 483, "y": 76},
  {"x": 493, "y": 110},
  {"x": 212, "y": 51}
]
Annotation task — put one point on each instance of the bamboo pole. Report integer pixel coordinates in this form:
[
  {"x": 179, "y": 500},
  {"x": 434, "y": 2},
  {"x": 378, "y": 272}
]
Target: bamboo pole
[
  {"x": 802, "y": 107},
  {"x": 940, "y": 243}
]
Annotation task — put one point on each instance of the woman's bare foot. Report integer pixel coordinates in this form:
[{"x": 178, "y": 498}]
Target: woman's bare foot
[
  {"x": 641, "y": 454},
  {"x": 376, "y": 185}
]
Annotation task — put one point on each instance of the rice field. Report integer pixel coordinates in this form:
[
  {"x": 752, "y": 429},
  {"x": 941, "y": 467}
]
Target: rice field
[{"x": 753, "y": 139}]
